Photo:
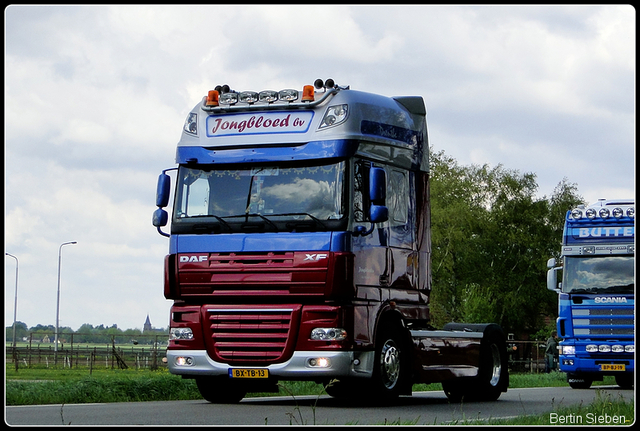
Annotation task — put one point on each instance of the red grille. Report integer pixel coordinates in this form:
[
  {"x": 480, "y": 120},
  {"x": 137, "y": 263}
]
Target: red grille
[
  {"x": 243, "y": 335},
  {"x": 269, "y": 273}
]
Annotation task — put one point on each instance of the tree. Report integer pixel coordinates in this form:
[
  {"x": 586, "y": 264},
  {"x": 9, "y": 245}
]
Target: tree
[{"x": 491, "y": 238}]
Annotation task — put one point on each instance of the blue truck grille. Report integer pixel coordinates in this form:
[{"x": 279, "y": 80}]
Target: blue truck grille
[{"x": 603, "y": 321}]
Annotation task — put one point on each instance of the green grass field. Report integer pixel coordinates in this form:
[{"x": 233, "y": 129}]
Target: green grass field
[{"x": 40, "y": 385}]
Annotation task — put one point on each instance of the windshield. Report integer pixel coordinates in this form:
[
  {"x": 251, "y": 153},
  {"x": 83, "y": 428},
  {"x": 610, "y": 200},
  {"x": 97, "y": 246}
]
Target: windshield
[
  {"x": 598, "y": 274},
  {"x": 269, "y": 198}
]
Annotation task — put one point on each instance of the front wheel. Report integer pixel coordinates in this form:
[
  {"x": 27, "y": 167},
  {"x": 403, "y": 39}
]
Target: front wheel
[
  {"x": 391, "y": 367},
  {"x": 625, "y": 381},
  {"x": 219, "y": 390},
  {"x": 578, "y": 382}
]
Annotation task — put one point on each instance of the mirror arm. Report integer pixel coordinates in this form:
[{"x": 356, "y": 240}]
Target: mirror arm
[{"x": 163, "y": 233}]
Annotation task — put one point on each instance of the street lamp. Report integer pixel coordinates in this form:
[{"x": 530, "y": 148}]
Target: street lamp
[
  {"x": 15, "y": 305},
  {"x": 55, "y": 347}
]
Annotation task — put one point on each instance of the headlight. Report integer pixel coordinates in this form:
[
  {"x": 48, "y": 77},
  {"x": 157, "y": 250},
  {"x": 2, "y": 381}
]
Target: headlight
[
  {"x": 334, "y": 116},
  {"x": 328, "y": 334},
  {"x": 568, "y": 350},
  {"x": 180, "y": 334},
  {"x": 191, "y": 123}
]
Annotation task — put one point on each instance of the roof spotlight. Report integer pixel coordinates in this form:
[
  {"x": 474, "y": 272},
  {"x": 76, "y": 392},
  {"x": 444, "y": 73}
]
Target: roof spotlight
[{"x": 318, "y": 83}]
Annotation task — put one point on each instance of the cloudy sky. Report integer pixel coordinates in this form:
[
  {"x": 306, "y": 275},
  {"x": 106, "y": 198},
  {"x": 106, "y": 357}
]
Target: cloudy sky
[{"x": 95, "y": 100}]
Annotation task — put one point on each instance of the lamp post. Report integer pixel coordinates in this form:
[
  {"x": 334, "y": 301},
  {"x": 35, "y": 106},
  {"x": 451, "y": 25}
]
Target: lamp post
[
  {"x": 55, "y": 347},
  {"x": 15, "y": 305}
]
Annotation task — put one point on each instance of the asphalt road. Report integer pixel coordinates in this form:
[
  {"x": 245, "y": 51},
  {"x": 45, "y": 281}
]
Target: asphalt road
[{"x": 423, "y": 408}]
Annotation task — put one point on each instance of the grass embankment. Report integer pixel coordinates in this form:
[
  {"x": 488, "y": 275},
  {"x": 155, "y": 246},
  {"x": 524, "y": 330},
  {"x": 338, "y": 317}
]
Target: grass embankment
[{"x": 70, "y": 386}]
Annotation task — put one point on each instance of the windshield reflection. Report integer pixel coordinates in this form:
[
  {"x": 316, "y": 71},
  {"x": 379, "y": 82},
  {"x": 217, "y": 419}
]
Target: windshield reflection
[
  {"x": 598, "y": 274},
  {"x": 272, "y": 194}
]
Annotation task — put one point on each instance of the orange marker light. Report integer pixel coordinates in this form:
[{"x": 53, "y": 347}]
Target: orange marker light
[
  {"x": 308, "y": 93},
  {"x": 212, "y": 98}
]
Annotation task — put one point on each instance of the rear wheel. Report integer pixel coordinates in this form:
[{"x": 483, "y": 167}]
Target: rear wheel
[
  {"x": 493, "y": 375},
  {"x": 219, "y": 390}
]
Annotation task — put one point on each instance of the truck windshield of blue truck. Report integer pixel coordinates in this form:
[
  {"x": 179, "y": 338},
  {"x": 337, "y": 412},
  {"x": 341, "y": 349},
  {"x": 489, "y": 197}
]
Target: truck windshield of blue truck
[
  {"x": 599, "y": 274},
  {"x": 263, "y": 198}
]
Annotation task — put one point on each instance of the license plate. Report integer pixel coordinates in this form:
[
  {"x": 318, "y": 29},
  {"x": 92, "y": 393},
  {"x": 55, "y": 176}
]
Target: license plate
[
  {"x": 248, "y": 373},
  {"x": 612, "y": 367}
]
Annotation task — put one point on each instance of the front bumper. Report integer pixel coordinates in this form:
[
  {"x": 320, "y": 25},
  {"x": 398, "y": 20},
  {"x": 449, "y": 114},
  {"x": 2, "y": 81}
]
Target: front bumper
[
  {"x": 576, "y": 364},
  {"x": 299, "y": 367}
]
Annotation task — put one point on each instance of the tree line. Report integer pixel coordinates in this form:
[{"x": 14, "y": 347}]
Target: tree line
[
  {"x": 87, "y": 333},
  {"x": 491, "y": 238}
]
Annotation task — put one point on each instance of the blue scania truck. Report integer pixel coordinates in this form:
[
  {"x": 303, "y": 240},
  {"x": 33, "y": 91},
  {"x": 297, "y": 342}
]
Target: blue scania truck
[
  {"x": 299, "y": 249},
  {"x": 596, "y": 313}
]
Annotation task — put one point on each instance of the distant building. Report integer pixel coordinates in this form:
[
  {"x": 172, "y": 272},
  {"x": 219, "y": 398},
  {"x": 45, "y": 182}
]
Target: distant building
[{"x": 147, "y": 325}]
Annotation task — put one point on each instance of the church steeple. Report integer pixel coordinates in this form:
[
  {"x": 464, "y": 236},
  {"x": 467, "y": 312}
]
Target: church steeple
[{"x": 147, "y": 324}]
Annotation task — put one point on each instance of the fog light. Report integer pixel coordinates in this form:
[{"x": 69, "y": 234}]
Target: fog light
[
  {"x": 567, "y": 362},
  {"x": 319, "y": 362},
  {"x": 184, "y": 361}
]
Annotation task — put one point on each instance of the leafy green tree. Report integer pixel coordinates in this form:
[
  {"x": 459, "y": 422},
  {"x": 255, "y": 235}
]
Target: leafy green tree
[{"x": 491, "y": 238}]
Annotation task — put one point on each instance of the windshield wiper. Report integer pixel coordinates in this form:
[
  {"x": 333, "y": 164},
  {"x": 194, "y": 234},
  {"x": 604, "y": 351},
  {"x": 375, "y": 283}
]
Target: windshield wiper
[
  {"x": 315, "y": 219},
  {"x": 205, "y": 225},
  {"x": 269, "y": 222}
]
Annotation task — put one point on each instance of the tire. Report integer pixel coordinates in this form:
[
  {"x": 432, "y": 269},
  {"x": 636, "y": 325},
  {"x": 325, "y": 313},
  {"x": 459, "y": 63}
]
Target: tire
[
  {"x": 493, "y": 374},
  {"x": 219, "y": 390},
  {"x": 342, "y": 389},
  {"x": 391, "y": 373},
  {"x": 625, "y": 381},
  {"x": 577, "y": 382}
]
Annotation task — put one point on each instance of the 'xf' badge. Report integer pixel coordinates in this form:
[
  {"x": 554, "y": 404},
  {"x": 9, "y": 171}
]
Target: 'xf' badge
[{"x": 316, "y": 257}]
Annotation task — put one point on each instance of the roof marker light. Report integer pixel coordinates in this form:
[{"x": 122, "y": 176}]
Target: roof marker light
[
  {"x": 228, "y": 98},
  {"x": 268, "y": 96},
  {"x": 308, "y": 93},
  {"x": 248, "y": 97},
  {"x": 212, "y": 98},
  {"x": 288, "y": 95}
]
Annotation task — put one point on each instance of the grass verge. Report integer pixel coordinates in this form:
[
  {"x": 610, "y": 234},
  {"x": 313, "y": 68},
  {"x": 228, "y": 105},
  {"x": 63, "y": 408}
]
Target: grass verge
[{"x": 64, "y": 386}]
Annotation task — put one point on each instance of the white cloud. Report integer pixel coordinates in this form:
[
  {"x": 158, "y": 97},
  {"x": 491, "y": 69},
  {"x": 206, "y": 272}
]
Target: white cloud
[{"x": 95, "y": 99}]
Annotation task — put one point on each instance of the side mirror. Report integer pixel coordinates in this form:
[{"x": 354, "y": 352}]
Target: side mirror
[
  {"x": 378, "y": 214},
  {"x": 163, "y": 191},
  {"x": 551, "y": 263},
  {"x": 160, "y": 218},
  {"x": 377, "y": 186},
  {"x": 552, "y": 279}
]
